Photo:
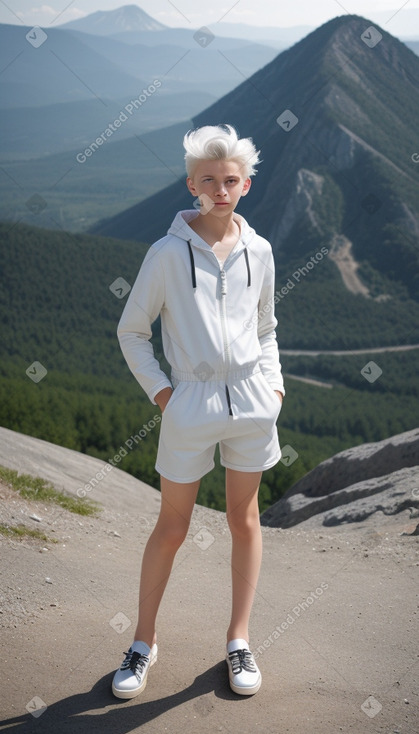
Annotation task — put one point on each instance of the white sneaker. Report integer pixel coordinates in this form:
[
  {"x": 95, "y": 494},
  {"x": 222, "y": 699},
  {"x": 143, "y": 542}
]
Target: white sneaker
[
  {"x": 131, "y": 678},
  {"x": 244, "y": 675}
]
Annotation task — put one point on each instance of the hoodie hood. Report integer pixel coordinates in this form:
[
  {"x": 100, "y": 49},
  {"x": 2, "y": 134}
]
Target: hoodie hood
[{"x": 180, "y": 228}]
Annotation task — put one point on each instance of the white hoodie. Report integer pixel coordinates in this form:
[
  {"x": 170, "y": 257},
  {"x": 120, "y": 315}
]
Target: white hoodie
[{"x": 217, "y": 321}]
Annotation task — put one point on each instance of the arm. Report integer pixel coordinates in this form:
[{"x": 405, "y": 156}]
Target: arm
[
  {"x": 270, "y": 362},
  {"x": 143, "y": 306}
]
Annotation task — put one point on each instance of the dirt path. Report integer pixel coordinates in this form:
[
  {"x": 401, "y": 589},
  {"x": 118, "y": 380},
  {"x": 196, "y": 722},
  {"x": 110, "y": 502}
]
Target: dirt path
[
  {"x": 340, "y": 253},
  {"x": 333, "y": 623},
  {"x": 308, "y": 380}
]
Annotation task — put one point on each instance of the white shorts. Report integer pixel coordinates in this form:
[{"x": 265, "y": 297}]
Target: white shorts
[{"x": 200, "y": 414}]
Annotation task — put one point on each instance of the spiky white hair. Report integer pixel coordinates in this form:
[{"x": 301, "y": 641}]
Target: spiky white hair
[{"x": 219, "y": 142}]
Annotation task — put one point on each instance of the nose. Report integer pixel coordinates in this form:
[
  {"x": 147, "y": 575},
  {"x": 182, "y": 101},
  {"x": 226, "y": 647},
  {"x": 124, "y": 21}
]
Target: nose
[{"x": 220, "y": 190}]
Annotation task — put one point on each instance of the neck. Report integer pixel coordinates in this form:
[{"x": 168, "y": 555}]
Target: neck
[{"x": 219, "y": 227}]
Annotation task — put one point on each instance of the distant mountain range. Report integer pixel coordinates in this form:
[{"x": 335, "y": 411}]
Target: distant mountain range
[
  {"x": 336, "y": 119},
  {"x": 70, "y": 66},
  {"x": 63, "y": 68},
  {"x": 130, "y": 20},
  {"x": 108, "y": 22}
]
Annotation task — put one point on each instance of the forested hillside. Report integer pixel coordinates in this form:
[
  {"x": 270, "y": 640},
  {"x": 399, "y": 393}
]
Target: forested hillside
[{"x": 57, "y": 308}]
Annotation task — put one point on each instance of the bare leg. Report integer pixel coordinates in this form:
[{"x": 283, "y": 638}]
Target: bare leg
[
  {"x": 243, "y": 518},
  {"x": 177, "y": 503}
]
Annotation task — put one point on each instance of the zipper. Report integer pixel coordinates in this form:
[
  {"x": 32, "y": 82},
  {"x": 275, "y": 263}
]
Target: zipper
[{"x": 223, "y": 314}]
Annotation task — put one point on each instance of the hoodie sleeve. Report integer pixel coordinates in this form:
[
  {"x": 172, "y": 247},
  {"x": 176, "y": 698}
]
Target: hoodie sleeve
[
  {"x": 270, "y": 362},
  {"x": 134, "y": 329}
]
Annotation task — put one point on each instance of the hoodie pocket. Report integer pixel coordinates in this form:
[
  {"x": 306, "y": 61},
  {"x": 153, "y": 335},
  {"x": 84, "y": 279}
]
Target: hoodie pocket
[
  {"x": 171, "y": 399},
  {"x": 177, "y": 391}
]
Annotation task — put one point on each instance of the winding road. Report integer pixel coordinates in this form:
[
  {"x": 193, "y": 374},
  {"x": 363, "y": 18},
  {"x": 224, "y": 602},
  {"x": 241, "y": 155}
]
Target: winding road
[{"x": 347, "y": 352}]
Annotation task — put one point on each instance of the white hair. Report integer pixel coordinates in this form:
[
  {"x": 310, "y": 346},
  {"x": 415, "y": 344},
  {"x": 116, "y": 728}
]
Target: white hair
[{"x": 219, "y": 142}]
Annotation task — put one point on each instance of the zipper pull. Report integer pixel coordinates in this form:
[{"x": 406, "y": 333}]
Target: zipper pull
[{"x": 223, "y": 283}]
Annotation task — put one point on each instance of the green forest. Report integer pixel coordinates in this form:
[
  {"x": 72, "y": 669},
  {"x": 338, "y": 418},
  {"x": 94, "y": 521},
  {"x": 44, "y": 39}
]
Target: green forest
[{"x": 58, "y": 307}]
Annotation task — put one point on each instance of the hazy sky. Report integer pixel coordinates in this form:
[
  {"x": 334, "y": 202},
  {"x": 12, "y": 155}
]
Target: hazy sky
[{"x": 393, "y": 15}]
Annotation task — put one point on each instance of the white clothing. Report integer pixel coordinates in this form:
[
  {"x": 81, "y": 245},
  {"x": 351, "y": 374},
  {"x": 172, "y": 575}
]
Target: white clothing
[
  {"x": 197, "y": 417},
  {"x": 218, "y": 330}
]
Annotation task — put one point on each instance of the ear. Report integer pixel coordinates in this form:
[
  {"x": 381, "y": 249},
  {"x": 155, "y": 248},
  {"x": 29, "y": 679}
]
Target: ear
[
  {"x": 246, "y": 186},
  {"x": 191, "y": 187}
]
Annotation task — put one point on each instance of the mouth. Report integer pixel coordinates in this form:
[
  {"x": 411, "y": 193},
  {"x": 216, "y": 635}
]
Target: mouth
[{"x": 221, "y": 203}]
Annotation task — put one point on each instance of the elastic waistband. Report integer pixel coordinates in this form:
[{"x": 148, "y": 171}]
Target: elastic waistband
[{"x": 203, "y": 373}]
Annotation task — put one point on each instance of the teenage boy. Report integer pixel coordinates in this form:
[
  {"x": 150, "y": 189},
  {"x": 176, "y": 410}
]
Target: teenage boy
[{"x": 211, "y": 279}]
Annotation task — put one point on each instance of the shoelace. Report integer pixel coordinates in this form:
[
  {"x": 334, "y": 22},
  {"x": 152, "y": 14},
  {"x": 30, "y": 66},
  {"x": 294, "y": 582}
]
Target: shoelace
[
  {"x": 136, "y": 662},
  {"x": 242, "y": 660}
]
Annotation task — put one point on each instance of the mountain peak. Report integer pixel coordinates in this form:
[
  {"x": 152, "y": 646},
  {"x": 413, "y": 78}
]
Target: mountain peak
[
  {"x": 353, "y": 36},
  {"x": 347, "y": 65},
  {"x": 107, "y": 22}
]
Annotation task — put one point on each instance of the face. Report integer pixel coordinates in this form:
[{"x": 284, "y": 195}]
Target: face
[{"x": 219, "y": 184}]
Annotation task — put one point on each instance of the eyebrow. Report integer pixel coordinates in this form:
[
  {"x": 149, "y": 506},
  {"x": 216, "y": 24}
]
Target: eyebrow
[{"x": 228, "y": 175}]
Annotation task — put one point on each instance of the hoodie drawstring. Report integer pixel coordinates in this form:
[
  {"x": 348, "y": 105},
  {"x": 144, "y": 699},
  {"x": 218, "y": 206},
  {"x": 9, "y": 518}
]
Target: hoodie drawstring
[
  {"x": 193, "y": 273},
  {"x": 192, "y": 265},
  {"x": 248, "y": 267}
]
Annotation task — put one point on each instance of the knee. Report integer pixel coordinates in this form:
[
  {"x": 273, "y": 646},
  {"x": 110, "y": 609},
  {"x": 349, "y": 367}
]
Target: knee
[
  {"x": 243, "y": 525},
  {"x": 172, "y": 536}
]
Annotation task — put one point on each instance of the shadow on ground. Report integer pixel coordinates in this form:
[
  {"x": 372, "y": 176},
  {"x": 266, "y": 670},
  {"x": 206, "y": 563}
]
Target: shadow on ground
[{"x": 77, "y": 712}]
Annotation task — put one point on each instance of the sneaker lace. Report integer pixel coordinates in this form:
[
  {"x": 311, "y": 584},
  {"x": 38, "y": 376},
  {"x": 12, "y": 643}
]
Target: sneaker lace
[
  {"x": 136, "y": 662},
  {"x": 242, "y": 660}
]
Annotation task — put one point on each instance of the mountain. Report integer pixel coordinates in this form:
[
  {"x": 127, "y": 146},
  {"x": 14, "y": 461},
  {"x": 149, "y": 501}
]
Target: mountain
[
  {"x": 52, "y": 130},
  {"x": 278, "y": 38},
  {"x": 335, "y": 118},
  {"x": 131, "y": 20},
  {"x": 122, "y": 20},
  {"x": 74, "y": 66},
  {"x": 63, "y": 68},
  {"x": 175, "y": 57},
  {"x": 77, "y": 190}
]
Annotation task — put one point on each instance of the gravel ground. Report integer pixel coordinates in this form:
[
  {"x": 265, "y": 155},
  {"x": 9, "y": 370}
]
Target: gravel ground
[{"x": 333, "y": 627}]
